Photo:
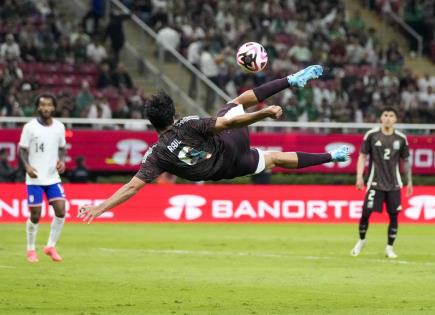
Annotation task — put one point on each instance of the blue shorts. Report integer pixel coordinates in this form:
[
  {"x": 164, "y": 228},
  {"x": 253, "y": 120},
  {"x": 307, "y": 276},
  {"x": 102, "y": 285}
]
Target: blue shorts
[{"x": 52, "y": 192}]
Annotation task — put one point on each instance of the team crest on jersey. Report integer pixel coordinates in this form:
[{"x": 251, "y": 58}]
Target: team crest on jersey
[{"x": 396, "y": 145}]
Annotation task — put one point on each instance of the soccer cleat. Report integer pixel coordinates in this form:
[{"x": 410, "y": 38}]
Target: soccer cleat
[
  {"x": 341, "y": 154},
  {"x": 389, "y": 252},
  {"x": 300, "y": 78},
  {"x": 32, "y": 257},
  {"x": 52, "y": 252},
  {"x": 358, "y": 248}
]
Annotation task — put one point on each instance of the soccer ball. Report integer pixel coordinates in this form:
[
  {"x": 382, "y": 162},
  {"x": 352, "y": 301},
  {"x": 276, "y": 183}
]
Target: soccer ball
[{"x": 252, "y": 57}]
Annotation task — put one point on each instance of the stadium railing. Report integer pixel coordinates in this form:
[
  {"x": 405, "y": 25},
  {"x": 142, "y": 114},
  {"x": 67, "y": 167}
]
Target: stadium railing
[
  {"x": 171, "y": 71},
  {"x": 409, "y": 30},
  {"x": 263, "y": 126},
  {"x": 400, "y": 23}
]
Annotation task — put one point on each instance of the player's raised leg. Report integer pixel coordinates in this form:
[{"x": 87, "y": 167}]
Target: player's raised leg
[
  {"x": 56, "y": 197},
  {"x": 259, "y": 94},
  {"x": 291, "y": 160}
]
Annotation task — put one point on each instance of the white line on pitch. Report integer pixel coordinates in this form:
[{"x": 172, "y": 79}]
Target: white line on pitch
[
  {"x": 191, "y": 252},
  {"x": 7, "y": 267},
  {"x": 254, "y": 254}
]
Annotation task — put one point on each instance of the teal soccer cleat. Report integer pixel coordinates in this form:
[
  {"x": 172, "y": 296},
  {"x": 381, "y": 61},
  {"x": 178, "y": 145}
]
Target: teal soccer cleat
[
  {"x": 300, "y": 78},
  {"x": 341, "y": 154}
]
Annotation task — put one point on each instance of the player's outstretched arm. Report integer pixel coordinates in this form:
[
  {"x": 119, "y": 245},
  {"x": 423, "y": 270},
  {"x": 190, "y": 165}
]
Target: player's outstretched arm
[
  {"x": 360, "y": 171},
  {"x": 247, "y": 119},
  {"x": 88, "y": 212},
  {"x": 264, "y": 91}
]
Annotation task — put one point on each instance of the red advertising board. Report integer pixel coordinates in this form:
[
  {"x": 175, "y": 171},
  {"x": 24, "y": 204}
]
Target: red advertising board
[
  {"x": 223, "y": 203},
  {"x": 123, "y": 150}
]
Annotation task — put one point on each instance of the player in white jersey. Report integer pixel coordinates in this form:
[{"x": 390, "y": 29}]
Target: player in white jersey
[{"x": 42, "y": 150}]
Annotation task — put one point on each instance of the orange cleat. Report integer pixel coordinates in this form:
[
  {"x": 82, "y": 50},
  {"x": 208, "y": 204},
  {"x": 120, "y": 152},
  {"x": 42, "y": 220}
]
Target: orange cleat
[
  {"x": 52, "y": 252},
  {"x": 32, "y": 257}
]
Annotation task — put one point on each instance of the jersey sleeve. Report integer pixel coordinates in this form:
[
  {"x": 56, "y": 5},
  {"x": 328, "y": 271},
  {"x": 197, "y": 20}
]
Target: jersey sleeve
[
  {"x": 204, "y": 126},
  {"x": 404, "y": 149},
  {"x": 365, "y": 147},
  {"x": 149, "y": 169},
  {"x": 62, "y": 141},
  {"x": 25, "y": 137}
]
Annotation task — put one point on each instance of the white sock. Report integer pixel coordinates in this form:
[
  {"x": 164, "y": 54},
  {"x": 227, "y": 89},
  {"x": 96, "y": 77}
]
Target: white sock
[
  {"x": 56, "y": 229},
  {"x": 31, "y": 231}
]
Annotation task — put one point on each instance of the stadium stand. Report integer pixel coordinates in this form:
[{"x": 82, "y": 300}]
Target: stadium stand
[
  {"x": 419, "y": 15},
  {"x": 43, "y": 51},
  {"x": 362, "y": 73}
]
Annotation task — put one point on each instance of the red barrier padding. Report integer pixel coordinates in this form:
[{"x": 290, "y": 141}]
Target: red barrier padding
[
  {"x": 224, "y": 203},
  {"x": 123, "y": 150}
]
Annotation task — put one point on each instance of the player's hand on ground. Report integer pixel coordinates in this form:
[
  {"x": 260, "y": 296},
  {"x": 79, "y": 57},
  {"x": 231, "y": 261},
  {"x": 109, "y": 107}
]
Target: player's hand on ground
[
  {"x": 60, "y": 166},
  {"x": 88, "y": 213},
  {"x": 273, "y": 111},
  {"x": 359, "y": 183},
  {"x": 409, "y": 190},
  {"x": 31, "y": 171}
]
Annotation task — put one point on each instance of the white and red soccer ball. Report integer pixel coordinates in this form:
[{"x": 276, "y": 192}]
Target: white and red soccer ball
[{"x": 252, "y": 57}]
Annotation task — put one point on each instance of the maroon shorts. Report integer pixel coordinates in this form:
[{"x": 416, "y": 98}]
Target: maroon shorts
[{"x": 241, "y": 158}]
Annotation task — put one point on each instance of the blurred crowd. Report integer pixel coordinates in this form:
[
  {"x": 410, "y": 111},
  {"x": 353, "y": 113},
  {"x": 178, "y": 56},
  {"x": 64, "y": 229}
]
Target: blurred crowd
[
  {"x": 77, "y": 60},
  {"x": 419, "y": 14},
  {"x": 42, "y": 49},
  {"x": 363, "y": 73}
]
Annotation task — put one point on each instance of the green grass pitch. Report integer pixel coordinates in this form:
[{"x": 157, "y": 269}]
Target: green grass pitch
[{"x": 218, "y": 269}]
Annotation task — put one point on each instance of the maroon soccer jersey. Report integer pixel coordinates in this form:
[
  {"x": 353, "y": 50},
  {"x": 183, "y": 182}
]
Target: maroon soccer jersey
[
  {"x": 191, "y": 150},
  {"x": 385, "y": 152}
]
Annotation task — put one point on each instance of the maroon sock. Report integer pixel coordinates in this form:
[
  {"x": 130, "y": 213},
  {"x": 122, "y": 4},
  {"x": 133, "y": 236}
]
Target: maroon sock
[
  {"x": 310, "y": 159},
  {"x": 270, "y": 88}
]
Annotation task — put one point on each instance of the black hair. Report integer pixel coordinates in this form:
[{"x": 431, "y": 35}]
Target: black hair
[
  {"x": 45, "y": 95},
  {"x": 160, "y": 110},
  {"x": 388, "y": 109}
]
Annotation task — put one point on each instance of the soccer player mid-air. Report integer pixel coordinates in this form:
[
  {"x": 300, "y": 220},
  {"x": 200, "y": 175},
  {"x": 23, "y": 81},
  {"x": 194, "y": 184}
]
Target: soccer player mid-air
[
  {"x": 386, "y": 147},
  {"x": 42, "y": 151},
  {"x": 214, "y": 148}
]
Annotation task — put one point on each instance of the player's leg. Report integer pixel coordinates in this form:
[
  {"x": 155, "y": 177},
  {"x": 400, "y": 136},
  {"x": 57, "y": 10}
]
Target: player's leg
[
  {"x": 393, "y": 208},
  {"x": 34, "y": 203},
  {"x": 291, "y": 160},
  {"x": 363, "y": 226},
  {"x": 56, "y": 197},
  {"x": 260, "y": 93},
  {"x": 372, "y": 201}
]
